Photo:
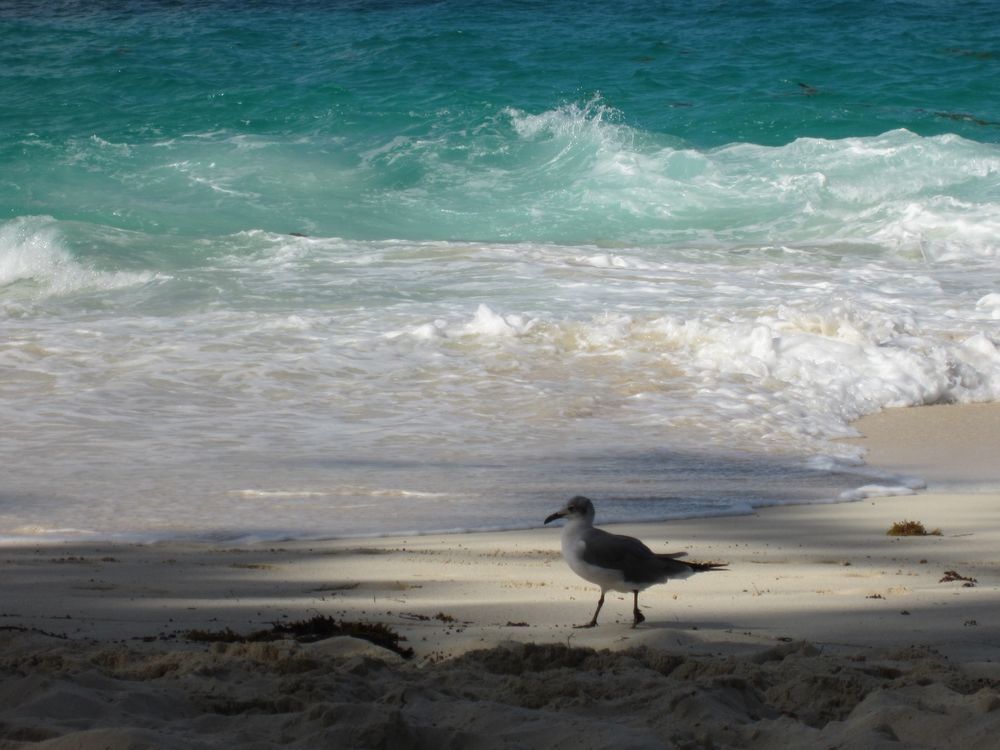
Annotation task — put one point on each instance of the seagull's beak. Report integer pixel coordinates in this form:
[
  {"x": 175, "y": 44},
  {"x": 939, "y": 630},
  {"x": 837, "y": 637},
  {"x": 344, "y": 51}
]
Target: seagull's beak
[{"x": 554, "y": 516}]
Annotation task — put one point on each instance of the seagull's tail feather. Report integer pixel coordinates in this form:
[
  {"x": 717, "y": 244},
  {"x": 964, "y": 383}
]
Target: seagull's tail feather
[
  {"x": 671, "y": 567},
  {"x": 702, "y": 567},
  {"x": 697, "y": 567}
]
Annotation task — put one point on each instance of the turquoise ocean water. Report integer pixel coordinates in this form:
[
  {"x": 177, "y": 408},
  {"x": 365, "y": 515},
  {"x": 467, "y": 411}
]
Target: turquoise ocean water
[{"x": 345, "y": 268}]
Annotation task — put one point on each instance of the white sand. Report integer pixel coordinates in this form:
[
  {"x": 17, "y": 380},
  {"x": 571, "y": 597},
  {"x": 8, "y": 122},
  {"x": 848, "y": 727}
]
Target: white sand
[
  {"x": 823, "y": 630},
  {"x": 955, "y": 448}
]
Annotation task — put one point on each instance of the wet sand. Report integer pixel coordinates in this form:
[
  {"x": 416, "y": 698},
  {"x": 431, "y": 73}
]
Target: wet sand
[{"x": 824, "y": 629}]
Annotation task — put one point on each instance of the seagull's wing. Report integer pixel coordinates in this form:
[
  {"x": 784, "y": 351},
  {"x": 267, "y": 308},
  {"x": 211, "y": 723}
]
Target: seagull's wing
[{"x": 636, "y": 561}]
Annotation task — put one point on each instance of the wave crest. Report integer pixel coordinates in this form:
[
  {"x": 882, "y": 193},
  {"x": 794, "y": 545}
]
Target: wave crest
[{"x": 35, "y": 263}]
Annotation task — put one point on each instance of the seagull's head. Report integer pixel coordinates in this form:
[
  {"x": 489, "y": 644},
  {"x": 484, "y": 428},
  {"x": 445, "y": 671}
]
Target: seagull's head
[{"x": 576, "y": 509}]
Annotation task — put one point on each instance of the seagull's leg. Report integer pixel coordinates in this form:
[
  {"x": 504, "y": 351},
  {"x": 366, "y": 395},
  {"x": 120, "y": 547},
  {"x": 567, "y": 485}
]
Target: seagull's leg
[
  {"x": 635, "y": 610},
  {"x": 593, "y": 620}
]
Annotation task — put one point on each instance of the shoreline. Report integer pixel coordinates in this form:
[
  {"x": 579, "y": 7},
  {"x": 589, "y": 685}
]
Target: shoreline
[
  {"x": 824, "y": 573},
  {"x": 98, "y": 579},
  {"x": 811, "y": 589},
  {"x": 963, "y": 463}
]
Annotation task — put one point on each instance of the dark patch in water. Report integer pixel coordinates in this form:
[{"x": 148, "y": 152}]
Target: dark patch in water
[
  {"x": 964, "y": 117},
  {"x": 977, "y": 54}
]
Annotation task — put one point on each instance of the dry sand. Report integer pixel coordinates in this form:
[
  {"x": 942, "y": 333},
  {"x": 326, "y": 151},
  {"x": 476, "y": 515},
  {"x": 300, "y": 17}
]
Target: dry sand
[{"x": 824, "y": 630}]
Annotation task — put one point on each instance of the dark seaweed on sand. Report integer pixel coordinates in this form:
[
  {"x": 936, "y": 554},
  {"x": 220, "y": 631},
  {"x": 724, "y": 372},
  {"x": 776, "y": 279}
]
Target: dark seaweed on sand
[
  {"x": 315, "y": 629},
  {"x": 951, "y": 575},
  {"x": 911, "y": 528}
]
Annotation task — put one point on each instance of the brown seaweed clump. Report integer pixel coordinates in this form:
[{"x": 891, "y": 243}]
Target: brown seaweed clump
[{"x": 911, "y": 528}]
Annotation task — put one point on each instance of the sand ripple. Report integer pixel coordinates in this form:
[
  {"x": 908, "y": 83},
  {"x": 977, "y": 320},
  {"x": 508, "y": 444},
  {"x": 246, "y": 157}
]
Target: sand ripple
[{"x": 58, "y": 694}]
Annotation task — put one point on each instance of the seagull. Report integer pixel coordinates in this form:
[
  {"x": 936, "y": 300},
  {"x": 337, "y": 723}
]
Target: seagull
[{"x": 616, "y": 562}]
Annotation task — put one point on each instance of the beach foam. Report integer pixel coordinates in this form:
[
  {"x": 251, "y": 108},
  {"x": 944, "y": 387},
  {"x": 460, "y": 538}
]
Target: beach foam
[
  {"x": 35, "y": 263},
  {"x": 325, "y": 355}
]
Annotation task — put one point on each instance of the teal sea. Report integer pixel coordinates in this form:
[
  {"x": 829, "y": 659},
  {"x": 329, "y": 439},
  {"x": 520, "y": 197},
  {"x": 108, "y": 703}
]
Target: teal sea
[{"x": 273, "y": 270}]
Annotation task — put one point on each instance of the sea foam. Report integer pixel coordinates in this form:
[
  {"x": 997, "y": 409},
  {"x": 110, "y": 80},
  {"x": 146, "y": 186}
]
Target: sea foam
[{"x": 34, "y": 263}]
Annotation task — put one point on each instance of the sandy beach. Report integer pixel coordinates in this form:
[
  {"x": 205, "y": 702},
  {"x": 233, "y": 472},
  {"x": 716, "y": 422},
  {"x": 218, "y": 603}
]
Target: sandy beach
[{"x": 824, "y": 629}]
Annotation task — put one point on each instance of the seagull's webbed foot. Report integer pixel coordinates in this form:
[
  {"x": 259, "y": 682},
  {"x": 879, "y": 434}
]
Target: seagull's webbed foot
[
  {"x": 593, "y": 620},
  {"x": 636, "y": 614}
]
